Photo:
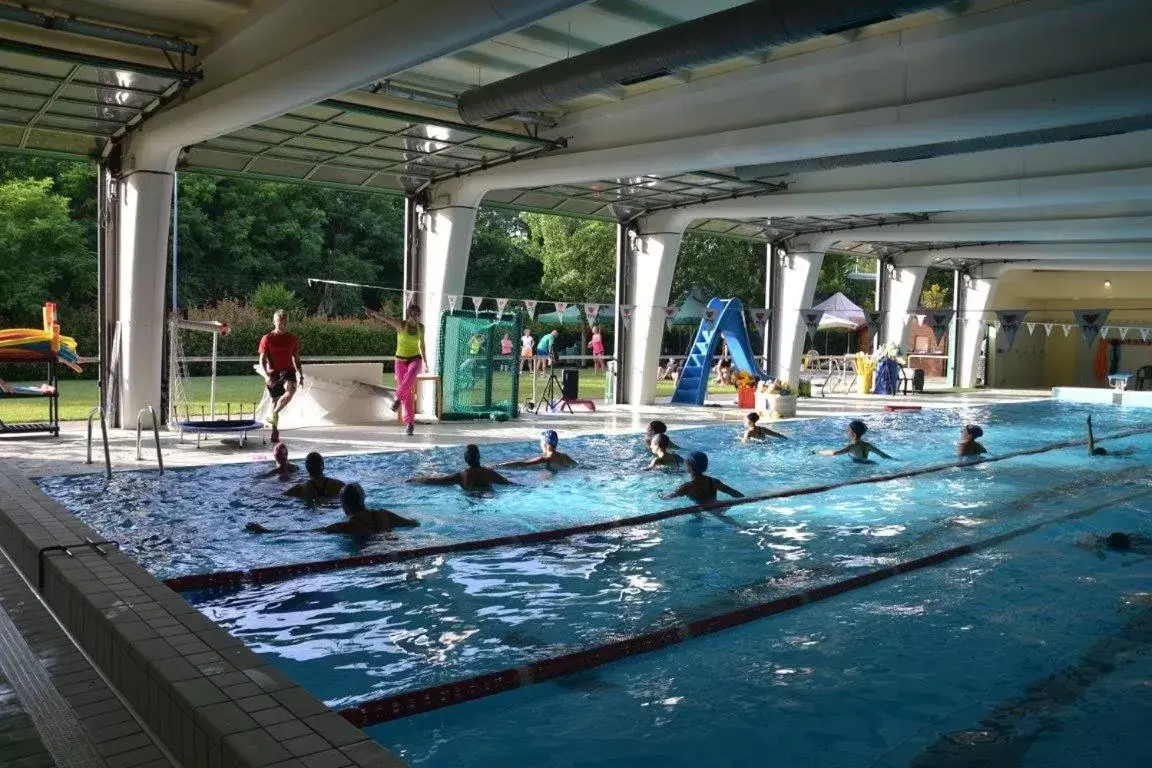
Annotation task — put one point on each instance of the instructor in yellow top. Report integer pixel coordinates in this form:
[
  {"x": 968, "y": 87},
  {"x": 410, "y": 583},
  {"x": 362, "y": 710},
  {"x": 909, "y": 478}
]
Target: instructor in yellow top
[{"x": 409, "y": 359}]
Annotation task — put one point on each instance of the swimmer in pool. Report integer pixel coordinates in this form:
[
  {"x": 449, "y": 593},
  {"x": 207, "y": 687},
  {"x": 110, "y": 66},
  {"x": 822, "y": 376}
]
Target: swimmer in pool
[
  {"x": 1094, "y": 450},
  {"x": 283, "y": 469},
  {"x": 858, "y": 448},
  {"x": 474, "y": 477},
  {"x": 753, "y": 431},
  {"x": 657, "y": 427},
  {"x": 361, "y": 520},
  {"x": 968, "y": 446},
  {"x": 549, "y": 456},
  {"x": 702, "y": 489},
  {"x": 1126, "y": 543},
  {"x": 661, "y": 456},
  {"x": 317, "y": 486}
]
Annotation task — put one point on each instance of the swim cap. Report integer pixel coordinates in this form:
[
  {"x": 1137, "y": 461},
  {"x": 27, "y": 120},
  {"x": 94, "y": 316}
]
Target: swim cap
[
  {"x": 472, "y": 455},
  {"x": 280, "y": 451},
  {"x": 657, "y": 428},
  {"x": 314, "y": 463},
  {"x": 550, "y": 437},
  {"x": 352, "y": 495},
  {"x": 974, "y": 431},
  {"x": 697, "y": 462},
  {"x": 857, "y": 427},
  {"x": 753, "y": 417}
]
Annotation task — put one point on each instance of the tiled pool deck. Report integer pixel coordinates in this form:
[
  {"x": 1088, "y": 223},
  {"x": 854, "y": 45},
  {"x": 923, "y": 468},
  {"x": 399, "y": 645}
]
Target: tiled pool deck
[{"x": 102, "y": 665}]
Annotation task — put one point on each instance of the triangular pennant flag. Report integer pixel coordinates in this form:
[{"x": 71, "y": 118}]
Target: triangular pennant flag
[
  {"x": 920, "y": 319},
  {"x": 1124, "y": 332},
  {"x": 530, "y": 305},
  {"x": 875, "y": 322},
  {"x": 453, "y": 298},
  {"x": 476, "y": 302},
  {"x": 760, "y": 319},
  {"x": 669, "y": 313},
  {"x": 626, "y": 313},
  {"x": 1067, "y": 329},
  {"x": 1090, "y": 321},
  {"x": 1009, "y": 322},
  {"x": 811, "y": 319},
  {"x": 1104, "y": 331},
  {"x": 1144, "y": 334},
  {"x": 409, "y": 296},
  {"x": 501, "y": 305},
  {"x": 590, "y": 313},
  {"x": 1031, "y": 328},
  {"x": 560, "y": 307},
  {"x": 939, "y": 320},
  {"x": 1047, "y": 329}
]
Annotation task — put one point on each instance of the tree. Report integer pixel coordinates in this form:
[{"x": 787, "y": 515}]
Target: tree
[
  {"x": 835, "y": 277},
  {"x": 43, "y": 255},
  {"x": 501, "y": 264},
  {"x": 269, "y": 297},
  {"x": 720, "y": 266},
  {"x": 938, "y": 288},
  {"x": 578, "y": 256},
  {"x": 933, "y": 297}
]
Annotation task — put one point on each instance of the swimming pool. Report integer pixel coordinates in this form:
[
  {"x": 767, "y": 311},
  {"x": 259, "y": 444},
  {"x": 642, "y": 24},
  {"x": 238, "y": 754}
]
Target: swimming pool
[{"x": 371, "y": 632}]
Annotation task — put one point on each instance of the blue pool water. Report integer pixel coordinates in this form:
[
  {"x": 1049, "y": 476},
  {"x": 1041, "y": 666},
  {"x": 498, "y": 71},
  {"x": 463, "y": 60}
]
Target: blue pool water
[{"x": 937, "y": 668}]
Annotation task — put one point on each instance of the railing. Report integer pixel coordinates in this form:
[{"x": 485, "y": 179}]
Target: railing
[
  {"x": 104, "y": 434},
  {"x": 155, "y": 433},
  {"x": 831, "y": 373}
]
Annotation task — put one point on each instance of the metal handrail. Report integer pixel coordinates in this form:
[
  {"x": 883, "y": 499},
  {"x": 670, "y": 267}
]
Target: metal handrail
[
  {"x": 155, "y": 433},
  {"x": 104, "y": 434}
]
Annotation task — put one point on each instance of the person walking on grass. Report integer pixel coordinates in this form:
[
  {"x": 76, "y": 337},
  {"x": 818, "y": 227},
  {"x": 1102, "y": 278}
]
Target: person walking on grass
[
  {"x": 410, "y": 359},
  {"x": 280, "y": 367},
  {"x": 597, "y": 350}
]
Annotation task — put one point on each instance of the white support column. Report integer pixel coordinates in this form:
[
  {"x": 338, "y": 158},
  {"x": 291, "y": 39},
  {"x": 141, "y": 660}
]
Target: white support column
[
  {"x": 904, "y": 286},
  {"x": 445, "y": 242},
  {"x": 798, "y": 277},
  {"x": 979, "y": 293},
  {"x": 145, "y": 208},
  {"x": 650, "y": 281}
]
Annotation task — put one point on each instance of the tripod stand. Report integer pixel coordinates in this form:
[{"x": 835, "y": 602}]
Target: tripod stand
[{"x": 549, "y": 395}]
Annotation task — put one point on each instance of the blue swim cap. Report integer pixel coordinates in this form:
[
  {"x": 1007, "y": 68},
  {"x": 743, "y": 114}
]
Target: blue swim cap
[
  {"x": 697, "y": 461},
  {"x": 550, "y": 437},
  {"x": 974, "y": 431}
]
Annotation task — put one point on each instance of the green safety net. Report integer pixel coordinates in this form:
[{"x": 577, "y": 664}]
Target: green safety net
[{"x": 478, "y": 380}]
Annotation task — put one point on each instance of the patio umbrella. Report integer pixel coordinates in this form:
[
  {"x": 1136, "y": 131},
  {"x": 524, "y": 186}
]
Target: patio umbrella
[{"x": 840, "y": 313}]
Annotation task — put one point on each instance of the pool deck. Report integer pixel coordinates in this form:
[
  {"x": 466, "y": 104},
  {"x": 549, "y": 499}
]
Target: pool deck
[{"x": 103, "y": 666}]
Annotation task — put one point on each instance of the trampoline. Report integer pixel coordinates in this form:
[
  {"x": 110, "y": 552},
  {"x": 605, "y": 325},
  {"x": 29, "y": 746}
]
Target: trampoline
[{"x": 221, "y": 426}]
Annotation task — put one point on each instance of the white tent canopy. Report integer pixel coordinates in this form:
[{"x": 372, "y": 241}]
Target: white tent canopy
[{"x": 840, "y": 313}]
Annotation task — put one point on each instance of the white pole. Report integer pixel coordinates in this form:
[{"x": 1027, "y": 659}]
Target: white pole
[{"x": 212, "y": 386}]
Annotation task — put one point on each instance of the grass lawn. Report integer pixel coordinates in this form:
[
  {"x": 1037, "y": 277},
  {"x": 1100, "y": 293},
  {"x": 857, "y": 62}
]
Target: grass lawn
[{"x": 77, "y": 398}]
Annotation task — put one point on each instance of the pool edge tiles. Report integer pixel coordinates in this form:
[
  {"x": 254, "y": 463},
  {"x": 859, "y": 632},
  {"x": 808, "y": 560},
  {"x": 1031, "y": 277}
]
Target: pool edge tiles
[{"x": 212, "y": 701}]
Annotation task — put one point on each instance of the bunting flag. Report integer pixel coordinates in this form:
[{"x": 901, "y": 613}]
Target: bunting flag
[
  {"x": 760, "y": 319},
  {"x": 560, "y": 307},
  {"x": 1067, "y": 329},
  {"x": 409, "y": 297},
  {"x": 920, "y": 319},
  {"x": 1144, "y": 334},
  {"x": 501, "y": 305},
  {"x": 1104, "y": 331},
  {"x": 1090, "y": 321},
  {"x": 626, "y": 313},
  {"x": 875, "y": 321},
  {"x": 476, "y": 302},
  {"x": 812, "y": 318},
  {"x": 530, "y": 305},
  {"x": 1047, "y": 329},
  {"x": 1031, "y": 328},
  {"x": 453, "y": 298},
  {"x": 1008, "y": 321},
  {"x": 1124, "y": 333},
  {"x": 669, "y": 313},
  {"x": 590, "y": 312},
  {"x": 939, "y": 320}
]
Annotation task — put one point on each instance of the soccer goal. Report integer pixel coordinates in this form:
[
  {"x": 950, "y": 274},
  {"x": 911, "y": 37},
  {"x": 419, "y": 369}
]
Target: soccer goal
[{"x": 479, "y": 379}]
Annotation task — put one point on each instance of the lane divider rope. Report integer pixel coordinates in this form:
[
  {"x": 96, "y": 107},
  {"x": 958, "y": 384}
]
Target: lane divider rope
[
  {"x": 435, "y": 697},
  {"x": 268, "y": 574}
]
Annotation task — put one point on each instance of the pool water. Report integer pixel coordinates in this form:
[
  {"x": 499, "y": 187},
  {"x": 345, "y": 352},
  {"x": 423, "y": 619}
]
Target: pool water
[
  {"x": 190, "y": 520},
  {"x": 1000, "y": 657}
]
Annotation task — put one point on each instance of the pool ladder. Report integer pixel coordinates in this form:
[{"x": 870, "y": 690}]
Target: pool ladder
[
  {"x": 155, "y": 434},
  {"x": 104, "y": 434},
  {"x": 98, "y": 411}
]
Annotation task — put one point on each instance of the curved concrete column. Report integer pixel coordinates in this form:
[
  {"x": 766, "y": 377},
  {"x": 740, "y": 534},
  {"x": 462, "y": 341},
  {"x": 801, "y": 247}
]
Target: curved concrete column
[
  {"x": 654, "y": 256},
  {"x": 798, "y": 277},
  {"x": 904, "y": 287},
  {"x": 979, "y": 293}
]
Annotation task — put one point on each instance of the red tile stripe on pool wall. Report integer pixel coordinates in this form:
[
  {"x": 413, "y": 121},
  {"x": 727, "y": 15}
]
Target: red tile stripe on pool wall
[
  {"x": 232, "y": 579},
  {"x": 445, "y": 695}
]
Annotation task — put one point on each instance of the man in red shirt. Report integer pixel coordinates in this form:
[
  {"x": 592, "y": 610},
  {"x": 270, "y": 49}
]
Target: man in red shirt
[{"x": 280, "y": 366}]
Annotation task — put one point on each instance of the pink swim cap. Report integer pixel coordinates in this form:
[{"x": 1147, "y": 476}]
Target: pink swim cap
[{"x": 280, "y": 451}]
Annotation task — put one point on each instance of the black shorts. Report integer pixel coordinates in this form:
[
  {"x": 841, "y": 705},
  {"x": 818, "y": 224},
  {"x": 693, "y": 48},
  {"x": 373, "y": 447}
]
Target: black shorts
[{"x": 277, "y": 380}]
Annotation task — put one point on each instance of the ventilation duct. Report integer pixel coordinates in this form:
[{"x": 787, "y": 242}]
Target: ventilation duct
[
  {"x": 947, "y": 148},
  {"x": 746, "y": 29}
]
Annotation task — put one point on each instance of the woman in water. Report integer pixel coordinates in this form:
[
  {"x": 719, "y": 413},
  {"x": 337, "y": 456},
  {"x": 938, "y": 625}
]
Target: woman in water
[
  {"x": 409, "y": 360},
  {"x": 858, "y": 448},
  {"x": 283, "y": 469},
  {"x": 597, "y": 350},
  {"x": 661, "y": 456},
  {"x": 317, "y": 486},
  {"x": 1094, "y": 450},
  {"x": 474, "y": 476},
  {"x": 752, "y": 430},
  {"x": 549, "y": 456},
  {"x": 702, "y": 489},
  {"x": 968, "y": 446},
  {"x": 657, "y": 427},
  {"x": 361, "y": 520}
]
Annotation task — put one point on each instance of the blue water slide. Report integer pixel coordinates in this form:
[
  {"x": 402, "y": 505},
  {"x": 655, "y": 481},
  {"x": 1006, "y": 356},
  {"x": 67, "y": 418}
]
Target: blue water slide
[{"x": 727, "y": 323}]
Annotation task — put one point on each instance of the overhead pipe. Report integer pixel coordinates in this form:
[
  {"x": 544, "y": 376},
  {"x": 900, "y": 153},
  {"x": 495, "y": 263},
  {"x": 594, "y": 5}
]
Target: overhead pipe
[
  {"x": 747, "y": 29},
  {"x": 1016, "y": 140},
  {"x": 97, "y": 31},
  {"x": 406, "y": 93}
]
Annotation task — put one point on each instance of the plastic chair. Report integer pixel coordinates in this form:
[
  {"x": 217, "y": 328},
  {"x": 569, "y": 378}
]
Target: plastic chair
[{"x": 1143, "y": 376}]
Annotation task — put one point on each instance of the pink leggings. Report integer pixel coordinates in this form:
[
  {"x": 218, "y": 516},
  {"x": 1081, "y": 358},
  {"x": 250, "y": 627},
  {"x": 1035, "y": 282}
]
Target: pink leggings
[{"x": 406, "y": 373}]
